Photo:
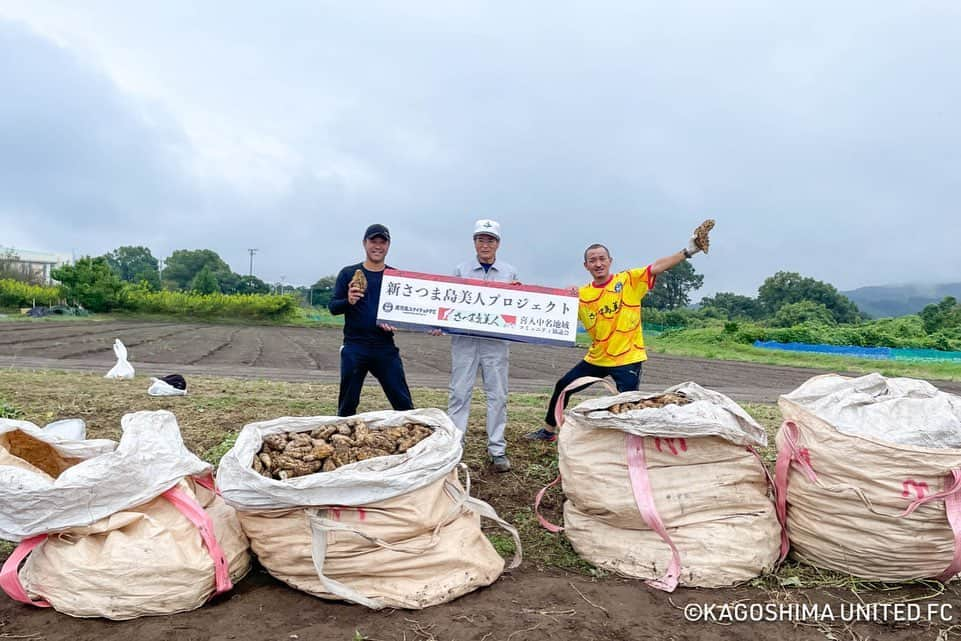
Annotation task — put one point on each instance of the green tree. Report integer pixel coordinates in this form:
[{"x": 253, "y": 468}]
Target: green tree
[
  {"x": 943, "y": 315},
  {"x": 733, "y": 306},
  {"x": 91, "y": 283},
  {"x": 804, "y": 311},
  {"x": 252, "y": 285},
  {"x": 784, "y": 288},
  {"x": 323, "y": 290},
  {"x": 135, "y": 264},
  {"x": 184, "y": 264},
  {"x": 229, "y": 281},
  {"x": 673, "y": 287},
  {"x": 205, "y": 282}
]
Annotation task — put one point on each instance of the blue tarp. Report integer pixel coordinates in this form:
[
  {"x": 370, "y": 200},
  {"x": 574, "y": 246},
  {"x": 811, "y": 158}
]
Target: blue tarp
[{"x": 878, "y": 353}]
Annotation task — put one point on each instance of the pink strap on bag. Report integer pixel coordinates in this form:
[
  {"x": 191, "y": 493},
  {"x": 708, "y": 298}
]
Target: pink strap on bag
[
  {"x": 559, "y": 420},
  {"x": 954, "y": 486},
  {"x": 577, "y": 382},
  {"x": 644, "y": 497},
  {"x": 952, "y": 505},
  {"x": 10, "y": 573},
  {"x": 791, "y": 454},
  {"x": 197, "y": 515},
  {"x": 188, "y": 506},
  {"x": 207, "y": 481},
  {"x": 547, "y": 525}
]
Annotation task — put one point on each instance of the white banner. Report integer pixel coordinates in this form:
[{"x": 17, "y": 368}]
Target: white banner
[{"x": 524, "y": 313}]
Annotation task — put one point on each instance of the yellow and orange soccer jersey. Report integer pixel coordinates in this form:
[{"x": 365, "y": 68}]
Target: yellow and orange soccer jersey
[{"x": 612, "y": 316}]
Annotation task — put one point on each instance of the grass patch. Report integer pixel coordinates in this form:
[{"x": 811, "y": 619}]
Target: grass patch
[
  {"x": 215, "y": 410},
  {"x": 769, "y": 416},
  {"x": 794, "y": 575},
  {"x": 14, "y": 316},
  {"x": 215, "y": 453},
  {"x": 503, "y": 543},
  {"x": 9, "y": 411},
  {"x": 687, "y": 343}
]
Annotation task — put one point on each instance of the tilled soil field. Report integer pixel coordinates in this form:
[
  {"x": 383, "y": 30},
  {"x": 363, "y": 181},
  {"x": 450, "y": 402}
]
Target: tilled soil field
[
  {"x": 308, "y": 354},
  {"x": 530, "y": 603}
]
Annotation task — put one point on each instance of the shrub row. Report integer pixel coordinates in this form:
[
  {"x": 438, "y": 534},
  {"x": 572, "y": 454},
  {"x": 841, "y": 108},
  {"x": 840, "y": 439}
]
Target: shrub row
[
  {"x": 906, "y": 331},
  {"x": 245, "y": 306},
  {"x": 14, "y": 293},
  {"x": 134, "y": 298}
]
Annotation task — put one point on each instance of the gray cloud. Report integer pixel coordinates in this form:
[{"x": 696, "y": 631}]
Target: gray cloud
[
  {"x": 79, "y": 160},
  {"x": 820, "y": 138}
]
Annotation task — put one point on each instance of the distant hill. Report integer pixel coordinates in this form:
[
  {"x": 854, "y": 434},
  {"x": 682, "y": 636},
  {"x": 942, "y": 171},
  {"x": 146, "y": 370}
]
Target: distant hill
[{"x": 899, "y": 300}]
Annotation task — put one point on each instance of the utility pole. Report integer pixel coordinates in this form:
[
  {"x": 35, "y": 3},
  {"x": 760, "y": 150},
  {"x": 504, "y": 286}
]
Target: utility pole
[{"x": 252, "y": 252}]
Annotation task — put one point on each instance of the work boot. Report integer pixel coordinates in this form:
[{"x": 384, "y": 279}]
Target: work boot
[
  {"x": 542, "y": 434},
  {"x": 501, "y": 463}
]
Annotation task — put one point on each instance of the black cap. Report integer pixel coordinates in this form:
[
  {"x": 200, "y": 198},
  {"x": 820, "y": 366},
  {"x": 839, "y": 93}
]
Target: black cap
[{"x": 377, "y": 230}]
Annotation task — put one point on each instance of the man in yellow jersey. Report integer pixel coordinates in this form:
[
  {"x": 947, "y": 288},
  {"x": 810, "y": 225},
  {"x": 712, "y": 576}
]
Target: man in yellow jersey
[{"x": 610, "y": 310}]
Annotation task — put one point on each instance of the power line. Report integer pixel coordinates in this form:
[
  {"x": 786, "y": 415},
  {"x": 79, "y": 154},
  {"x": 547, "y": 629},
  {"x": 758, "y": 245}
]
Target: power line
[{"x": 252, "y": 252}]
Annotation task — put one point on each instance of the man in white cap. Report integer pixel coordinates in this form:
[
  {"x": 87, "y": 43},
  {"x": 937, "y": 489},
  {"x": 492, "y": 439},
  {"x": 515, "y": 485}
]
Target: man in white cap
[{"x": 490, "y": 354}]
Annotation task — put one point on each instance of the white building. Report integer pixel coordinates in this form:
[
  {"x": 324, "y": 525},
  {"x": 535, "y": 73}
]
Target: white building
[{"x": 37, "y": 264}]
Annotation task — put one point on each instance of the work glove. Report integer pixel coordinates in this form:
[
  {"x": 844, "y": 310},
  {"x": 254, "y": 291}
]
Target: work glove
[{"x": 699, "y": 242}]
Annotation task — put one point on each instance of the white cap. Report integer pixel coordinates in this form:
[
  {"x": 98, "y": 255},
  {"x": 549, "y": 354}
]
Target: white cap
[{"x": 489, "y": 227}]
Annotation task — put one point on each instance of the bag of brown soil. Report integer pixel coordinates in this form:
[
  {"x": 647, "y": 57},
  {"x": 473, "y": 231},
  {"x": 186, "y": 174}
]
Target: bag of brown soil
[
  {"x": 667, "y": 488},
  {"x": 114, "y": 530},
  {"x": 397, "y": 529},
  {"x": 869, "y": 477}
]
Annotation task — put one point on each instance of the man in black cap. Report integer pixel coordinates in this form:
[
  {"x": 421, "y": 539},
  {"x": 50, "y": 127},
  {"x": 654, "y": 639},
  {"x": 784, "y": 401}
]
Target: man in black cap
[{"x": 368, "y": 346}]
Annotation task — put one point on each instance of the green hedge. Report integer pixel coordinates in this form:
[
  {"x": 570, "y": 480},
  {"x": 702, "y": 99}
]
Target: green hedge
[
  {"x": 249, "y": 306},
  {"x": 905, "y": 331},
  {"x": 13, "y": 293}
]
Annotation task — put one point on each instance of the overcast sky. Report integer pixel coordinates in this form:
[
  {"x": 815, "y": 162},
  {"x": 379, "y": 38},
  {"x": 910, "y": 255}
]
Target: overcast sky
[{"x": 824, "y": 137}]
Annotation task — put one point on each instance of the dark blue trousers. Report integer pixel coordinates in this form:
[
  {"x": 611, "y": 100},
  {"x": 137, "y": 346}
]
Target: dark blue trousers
[
  {"x": 626, "y": 377},
  {"x": 384, "y": 363}
]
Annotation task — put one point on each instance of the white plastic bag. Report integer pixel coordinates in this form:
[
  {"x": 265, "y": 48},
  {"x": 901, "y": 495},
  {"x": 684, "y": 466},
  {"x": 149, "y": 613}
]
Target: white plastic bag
[
  {"x": 149, "y": 460},
  {"x": 130, "y": 533},
  {"x": 74, "y": 429},
  {"x": 395, "y": 531},
  {"x": 709, "y": 413},
  {"x": 163, "y": 388},
  {"x": 122, "y": 369}
]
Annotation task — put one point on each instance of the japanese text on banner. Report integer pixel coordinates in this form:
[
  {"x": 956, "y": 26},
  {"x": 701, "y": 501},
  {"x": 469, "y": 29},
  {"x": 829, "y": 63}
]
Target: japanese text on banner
[{"x": 479, "y": 308}]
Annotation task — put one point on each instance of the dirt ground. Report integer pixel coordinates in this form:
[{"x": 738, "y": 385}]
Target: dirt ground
[
  {"x": 524, "y": 606},
  {"x": 530, "y": 603},
  {"x": 308, "y": 354}
]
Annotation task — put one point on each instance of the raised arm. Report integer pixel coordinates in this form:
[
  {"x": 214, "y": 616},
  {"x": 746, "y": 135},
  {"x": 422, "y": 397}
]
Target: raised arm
[{"x": 697, "y": 243}]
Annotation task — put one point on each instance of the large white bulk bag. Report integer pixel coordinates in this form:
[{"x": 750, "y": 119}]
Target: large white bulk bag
[
  {"x": 869, "y": 476},
  {"x": 391, "y": 531},
  {"x": 674, "y": 495},
  {"x": 114, "y": 530}
]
